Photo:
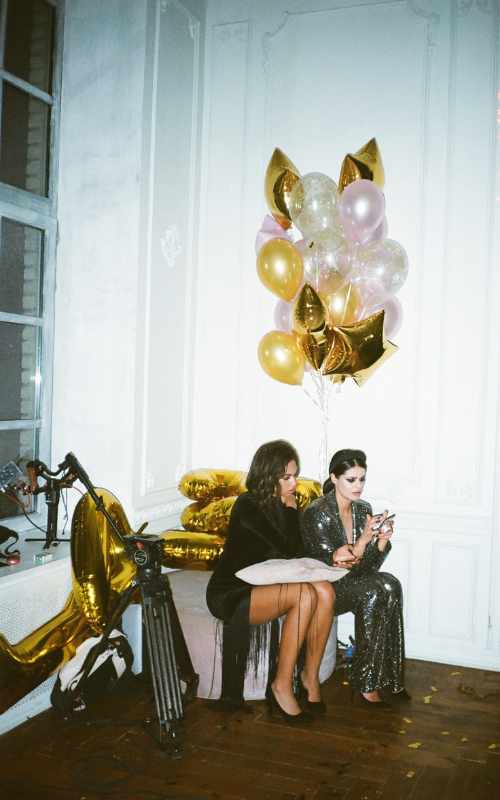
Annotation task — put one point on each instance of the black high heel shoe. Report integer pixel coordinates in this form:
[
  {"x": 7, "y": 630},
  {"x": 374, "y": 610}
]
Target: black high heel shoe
[
  {"x": 318, "y": 706},
  {"x": 294, "y": 719},
  {"x": 401, "y": 697},
  {"x": 374, "y": 705}
]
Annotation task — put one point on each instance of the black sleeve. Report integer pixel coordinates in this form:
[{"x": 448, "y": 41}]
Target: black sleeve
[{"x": 253, "y": 517}]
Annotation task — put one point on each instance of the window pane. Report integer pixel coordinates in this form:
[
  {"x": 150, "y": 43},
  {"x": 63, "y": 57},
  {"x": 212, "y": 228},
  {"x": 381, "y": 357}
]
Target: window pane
[
  {"x": 21, "y": 260},
  {"x": 24, "y": 159},
  {"x": 29, "y": 42},
  {"x": 20, "y": 447},
  {"x": 19, "y": 373}
]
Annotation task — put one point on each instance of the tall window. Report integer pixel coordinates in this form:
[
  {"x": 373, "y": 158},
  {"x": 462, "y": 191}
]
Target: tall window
[{"x": 29, "y": 98}]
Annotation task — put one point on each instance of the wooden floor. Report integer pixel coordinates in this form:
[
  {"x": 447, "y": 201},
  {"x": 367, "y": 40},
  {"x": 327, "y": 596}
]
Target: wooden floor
[{"x": 445, "y": 749}]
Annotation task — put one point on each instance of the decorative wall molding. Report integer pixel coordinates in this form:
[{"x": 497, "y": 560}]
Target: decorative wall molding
[
  {"x": 269, "y": 36},
  {"x": 413, "y": 479},
  {"x": 444, "y": 523},
  {"x": 141, "y": 515},
  {"x": 235, "y": 31},
  {"x": 464, "y": 586},
  {"x": 432, "y": 23},
  {"x": 484, "y": 6},
  {"x": 170, "y": 245}
]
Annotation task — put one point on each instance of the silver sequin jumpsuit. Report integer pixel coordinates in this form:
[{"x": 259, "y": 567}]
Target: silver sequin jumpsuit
[{"x": 374, "y": 597}]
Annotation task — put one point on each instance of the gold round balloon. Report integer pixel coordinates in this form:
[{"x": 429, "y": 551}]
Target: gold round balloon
[
  {"x": 198, "y": 551},
  {"x": 210, "y": 484},
  {"x": 310, "y": 314},
  {"x": 344, "y": 307},
  {"x": 281, "y": 359},
  {"x": 366, "y": 163},
  {"x": 281, "y": 177},
  {"x": 280, "y": 267},
  {"x": 101, "y": 570},
  {"x": 27, "y": 664}
]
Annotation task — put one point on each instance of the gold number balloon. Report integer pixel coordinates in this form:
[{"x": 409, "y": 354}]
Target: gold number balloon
[
  {"x": 198, "y": 551},
  {"x": 366, "y": 163},
  {"x": 281, "y": 359},
  {"x": 344, "y": 307},
  {"x": 359, "y": 349},
  {"x": 101, "y": 570},
  {"x": 280, "y": 267},
  {"x": 212, "y": 484},
  {"x": 281, "y": 177}
]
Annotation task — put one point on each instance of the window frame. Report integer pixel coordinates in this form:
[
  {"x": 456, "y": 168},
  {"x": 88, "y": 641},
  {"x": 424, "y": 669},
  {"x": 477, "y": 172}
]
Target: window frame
[{"x": 40, "y": 212}]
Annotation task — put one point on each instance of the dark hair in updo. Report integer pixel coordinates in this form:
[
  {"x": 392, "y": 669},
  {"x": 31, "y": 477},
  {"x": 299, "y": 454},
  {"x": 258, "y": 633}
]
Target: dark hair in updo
[
  {"x": 340, "y": 465},
  {"x": 268, "y": 466}
]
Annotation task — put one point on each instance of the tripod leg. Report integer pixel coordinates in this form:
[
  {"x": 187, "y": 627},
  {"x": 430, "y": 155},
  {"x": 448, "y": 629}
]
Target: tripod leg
[
  {"x": 182, "y": 657},
  {"x": 164, "y": 674}
]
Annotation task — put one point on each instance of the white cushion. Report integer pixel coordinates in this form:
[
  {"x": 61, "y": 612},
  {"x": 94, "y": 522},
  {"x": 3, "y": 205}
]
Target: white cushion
[{"x": 291, "y": 570}]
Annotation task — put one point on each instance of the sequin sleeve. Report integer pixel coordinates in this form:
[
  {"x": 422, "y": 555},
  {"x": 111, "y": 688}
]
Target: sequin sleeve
[{"x": 321, "y": 531}]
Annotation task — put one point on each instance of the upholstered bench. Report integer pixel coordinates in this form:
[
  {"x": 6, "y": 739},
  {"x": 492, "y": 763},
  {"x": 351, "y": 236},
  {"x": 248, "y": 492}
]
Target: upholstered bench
[{"x": 199, "y": 626}]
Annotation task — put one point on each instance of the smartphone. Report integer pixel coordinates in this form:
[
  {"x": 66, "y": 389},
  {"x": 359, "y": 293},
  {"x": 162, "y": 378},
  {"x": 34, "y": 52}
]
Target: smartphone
[{"x": 381, "y": 525}]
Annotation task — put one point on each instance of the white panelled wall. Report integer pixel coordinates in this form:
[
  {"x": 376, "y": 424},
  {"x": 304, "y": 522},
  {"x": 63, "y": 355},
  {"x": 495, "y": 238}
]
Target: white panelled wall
[
  {"x": 318, "y": 79},
  {"x": 168, "y": 122}
]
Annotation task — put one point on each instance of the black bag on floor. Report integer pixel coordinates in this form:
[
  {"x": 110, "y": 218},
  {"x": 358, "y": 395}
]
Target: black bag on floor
[{"x": 110, "y": 667}]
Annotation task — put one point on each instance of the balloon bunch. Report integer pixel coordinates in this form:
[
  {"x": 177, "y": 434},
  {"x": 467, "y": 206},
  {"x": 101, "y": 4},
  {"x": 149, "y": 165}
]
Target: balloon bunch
[{"x": 336, "y": 285}]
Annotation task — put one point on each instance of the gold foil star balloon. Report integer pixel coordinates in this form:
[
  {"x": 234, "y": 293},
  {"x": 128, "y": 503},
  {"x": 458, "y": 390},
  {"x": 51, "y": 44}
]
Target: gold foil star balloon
[
  {"x": 281, "y": 359},
  {"x": 281, "y": 177},
  {"x": 280, "y": 267},
  {"x": 359, "y": 349},
  {"x": 311, "y": 330},
  {"x": 366, "y": 163},
  {"x": 310, "y": 314}
]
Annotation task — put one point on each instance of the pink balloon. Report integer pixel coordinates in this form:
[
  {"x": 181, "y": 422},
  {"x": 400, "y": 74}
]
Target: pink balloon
[
  {"x": 361, "y": 209},
  {"x": 283, "y": 316},
  {"x": 301, "y": 245},
  {"x": 393, "y": 315},
  {"x": 378, "y": 235},
  {"x": 270, "y": 229}
]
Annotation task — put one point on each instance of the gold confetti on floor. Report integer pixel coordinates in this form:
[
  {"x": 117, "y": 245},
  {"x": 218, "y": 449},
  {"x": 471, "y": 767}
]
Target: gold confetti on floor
[
  {"x": 427, "y": 699},
  {"x": 405, "y": 719},
  {"x": 492, "y": 746},
  {"x": 455, "y": 673},
  {"x": 345, "y": 683},
  {"x": 415, "y": 745},
  {"x": 445, "y": 733},
  {"x": 464, "y": 739},
  {"x": 401, "y": 731},
  {"x": 410, "y": 774},
  {"x": 433, "y": 688}
]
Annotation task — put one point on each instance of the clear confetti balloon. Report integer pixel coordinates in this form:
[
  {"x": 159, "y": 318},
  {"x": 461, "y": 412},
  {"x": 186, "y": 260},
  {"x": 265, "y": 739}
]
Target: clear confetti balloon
[
  {"x": 329, "y": 261},
  {"x": 381, "y": 271},
  {"x": 313, "y": 204}
]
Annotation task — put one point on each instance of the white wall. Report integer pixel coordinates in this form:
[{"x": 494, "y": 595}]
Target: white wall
[
  {"x": 156, "y": 365},
  {"x": 318, "y": 79},
  {"x": 129, "y": 172}
]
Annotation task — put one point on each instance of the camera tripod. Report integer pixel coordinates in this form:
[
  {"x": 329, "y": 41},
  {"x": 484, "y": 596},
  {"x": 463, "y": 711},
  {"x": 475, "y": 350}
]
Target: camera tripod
[{"x": 169, "y": 657}]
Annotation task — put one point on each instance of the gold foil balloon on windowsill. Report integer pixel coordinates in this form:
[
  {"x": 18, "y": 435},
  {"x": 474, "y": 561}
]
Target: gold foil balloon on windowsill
[
  {"x": 281, "y": 177},
  {"x": 101, "y": 570}
]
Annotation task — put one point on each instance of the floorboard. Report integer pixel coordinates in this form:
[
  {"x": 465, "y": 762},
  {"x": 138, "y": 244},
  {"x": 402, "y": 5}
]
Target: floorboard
[{"x": 350, "y": 753}]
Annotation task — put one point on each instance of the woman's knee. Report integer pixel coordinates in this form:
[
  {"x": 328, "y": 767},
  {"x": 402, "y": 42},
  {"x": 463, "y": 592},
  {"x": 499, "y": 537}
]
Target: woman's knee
[{"x": 326, "y": 593}]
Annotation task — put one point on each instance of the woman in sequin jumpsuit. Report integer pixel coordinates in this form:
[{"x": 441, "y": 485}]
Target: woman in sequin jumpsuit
[{"x": 340, "y": 526}]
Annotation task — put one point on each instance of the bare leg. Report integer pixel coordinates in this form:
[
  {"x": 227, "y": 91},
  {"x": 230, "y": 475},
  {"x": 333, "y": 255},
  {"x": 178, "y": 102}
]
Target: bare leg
[
  {"x": 298, "y": 602},
  {"x": 317, "y": 637}
]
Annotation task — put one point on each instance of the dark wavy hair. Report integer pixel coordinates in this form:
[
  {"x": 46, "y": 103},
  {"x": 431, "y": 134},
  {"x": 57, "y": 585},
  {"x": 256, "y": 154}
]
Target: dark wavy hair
[
  {"x": 268, "y": 466},
  {"x": 341, "y": 467}
]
